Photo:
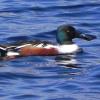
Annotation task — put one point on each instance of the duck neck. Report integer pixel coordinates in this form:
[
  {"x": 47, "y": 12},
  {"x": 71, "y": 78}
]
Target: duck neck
[
  {"x": 66, "y": 42},
  {"x": 62, "y": 38}
]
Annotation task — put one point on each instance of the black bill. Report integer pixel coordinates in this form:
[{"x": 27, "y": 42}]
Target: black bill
[{"x": 87, "y": 37}]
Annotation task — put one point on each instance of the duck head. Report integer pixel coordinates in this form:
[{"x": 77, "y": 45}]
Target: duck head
[{"x": 67, "y": 33}]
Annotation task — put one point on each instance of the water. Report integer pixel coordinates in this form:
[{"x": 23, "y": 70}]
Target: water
[{"x": 50, "y": 78}]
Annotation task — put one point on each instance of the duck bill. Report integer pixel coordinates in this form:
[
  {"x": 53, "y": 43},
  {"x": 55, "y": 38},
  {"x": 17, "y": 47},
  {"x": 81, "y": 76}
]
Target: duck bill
[{"x": 87, "y": 37}]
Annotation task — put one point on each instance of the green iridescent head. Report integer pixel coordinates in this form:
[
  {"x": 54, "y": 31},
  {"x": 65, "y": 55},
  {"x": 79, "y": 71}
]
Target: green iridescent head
[{"x": 67, "y": 33}]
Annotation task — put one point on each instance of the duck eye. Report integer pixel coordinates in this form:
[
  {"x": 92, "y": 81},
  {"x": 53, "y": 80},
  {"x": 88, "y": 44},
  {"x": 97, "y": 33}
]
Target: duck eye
[{"x": 67, "y": 31}]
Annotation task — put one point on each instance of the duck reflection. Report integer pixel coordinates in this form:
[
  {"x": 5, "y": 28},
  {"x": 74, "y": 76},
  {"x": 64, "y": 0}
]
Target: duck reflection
[{"x": 67, "y": 60}]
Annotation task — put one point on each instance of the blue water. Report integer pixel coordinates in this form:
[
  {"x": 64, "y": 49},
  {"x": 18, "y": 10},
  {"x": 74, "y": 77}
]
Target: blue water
[{"x": 50, "y": 78}]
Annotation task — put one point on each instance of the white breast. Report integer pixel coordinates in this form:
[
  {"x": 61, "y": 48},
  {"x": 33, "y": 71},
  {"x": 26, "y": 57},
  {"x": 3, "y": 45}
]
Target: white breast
[{"x": 67, "y": 48}]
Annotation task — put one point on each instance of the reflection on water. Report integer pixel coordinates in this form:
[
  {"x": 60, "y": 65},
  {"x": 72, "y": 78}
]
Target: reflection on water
[{"x": 67, "y": 60}]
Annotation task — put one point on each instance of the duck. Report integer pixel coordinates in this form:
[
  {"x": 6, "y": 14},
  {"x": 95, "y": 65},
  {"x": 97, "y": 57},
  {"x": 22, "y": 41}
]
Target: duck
[{"x": 65, "y": 45}]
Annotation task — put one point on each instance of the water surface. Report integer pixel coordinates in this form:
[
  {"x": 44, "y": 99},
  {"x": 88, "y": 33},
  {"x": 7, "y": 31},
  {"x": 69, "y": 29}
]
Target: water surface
[{"x": 50, "y": 78}]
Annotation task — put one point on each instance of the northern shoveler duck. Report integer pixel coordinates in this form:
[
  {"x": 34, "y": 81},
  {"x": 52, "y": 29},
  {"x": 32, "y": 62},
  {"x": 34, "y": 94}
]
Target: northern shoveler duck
[{"x": 65, "y": 35}]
